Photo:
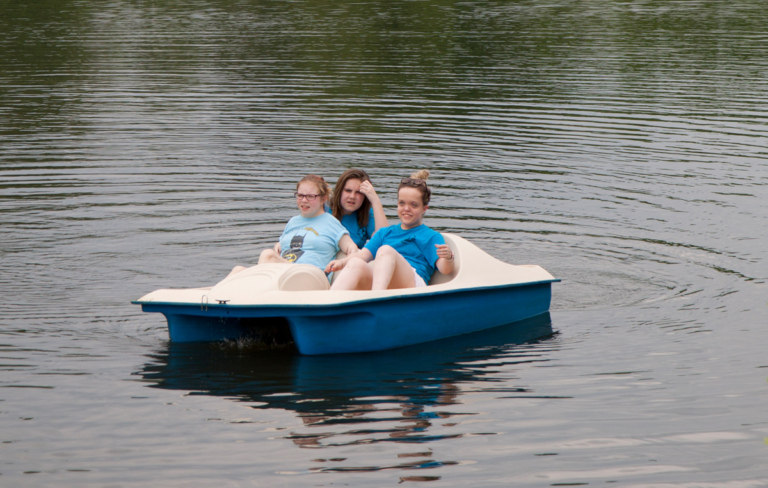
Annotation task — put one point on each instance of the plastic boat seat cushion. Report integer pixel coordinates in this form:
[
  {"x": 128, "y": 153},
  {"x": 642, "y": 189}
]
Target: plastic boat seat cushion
[{"x": 302, "y": 277}]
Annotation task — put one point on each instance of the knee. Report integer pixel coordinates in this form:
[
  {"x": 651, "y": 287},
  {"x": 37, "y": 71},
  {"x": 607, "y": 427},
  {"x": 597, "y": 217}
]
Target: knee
[
  {"x": 355, "y": 269},
  {"x": 386, "y": 251},
  {"x": 355, "y": 265},
  {"x": 356, "y": 275},
  {"x": 387, "y": 255},
  {"x": 268, "y": 256}
]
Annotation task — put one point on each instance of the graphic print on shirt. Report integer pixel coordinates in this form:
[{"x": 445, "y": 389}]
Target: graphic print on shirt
[
  {"x": 363, "y": 233},
  {"x": 295, "y": 251}
]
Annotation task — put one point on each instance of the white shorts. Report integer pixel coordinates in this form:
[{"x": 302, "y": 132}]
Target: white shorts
[{"x": 418, "y": 279}]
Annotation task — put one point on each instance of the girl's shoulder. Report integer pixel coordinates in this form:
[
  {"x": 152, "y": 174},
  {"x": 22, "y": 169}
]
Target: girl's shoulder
[
  {"x": 331, "y": 225},
  {"x": 294, "y": 220},
  {"x": 323, "y": 218},
  {"x": 428, "y": 231},
  {"x": 427, "y": 235},
  {"x": 391, "y": 229},
  {"x": 396, "y": 231},
  {"x": 328, "y": 217}
]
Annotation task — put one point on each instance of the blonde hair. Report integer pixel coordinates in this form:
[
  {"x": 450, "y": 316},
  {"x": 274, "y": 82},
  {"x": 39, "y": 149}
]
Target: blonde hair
[
  {"x": 322, "y": 187},
  {"x": 418, "y": 180}
]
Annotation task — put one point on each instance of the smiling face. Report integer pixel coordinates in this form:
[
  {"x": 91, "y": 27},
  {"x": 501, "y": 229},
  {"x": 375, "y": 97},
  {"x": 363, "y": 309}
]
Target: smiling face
[
  {"x": 410, "y": 207},
  {"x": 310, "y": 208},
  {"x": 351, "y": 198}
]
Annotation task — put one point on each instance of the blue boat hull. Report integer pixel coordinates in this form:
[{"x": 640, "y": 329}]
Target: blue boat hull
[{"x": 365, "y": 325}]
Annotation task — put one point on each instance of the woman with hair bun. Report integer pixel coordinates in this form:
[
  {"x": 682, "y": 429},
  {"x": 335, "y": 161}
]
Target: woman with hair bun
[
  {"x": 404, "y": 255},
  {"x": 312, "y": 237},
  {"x": 357, "y": 206}
]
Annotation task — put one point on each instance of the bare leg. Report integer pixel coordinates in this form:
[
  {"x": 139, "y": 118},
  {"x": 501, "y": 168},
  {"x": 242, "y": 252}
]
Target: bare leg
[
  {"x": 271, "y": 256},
  {"x": 356, "y": 275},
  {"x": 391, "y": 270}
]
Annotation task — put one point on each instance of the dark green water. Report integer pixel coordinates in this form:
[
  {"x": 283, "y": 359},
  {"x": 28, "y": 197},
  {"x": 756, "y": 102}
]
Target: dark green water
[{"x": 620, "y": 145}]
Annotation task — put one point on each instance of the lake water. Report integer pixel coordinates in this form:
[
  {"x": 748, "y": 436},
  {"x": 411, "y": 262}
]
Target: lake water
[{"x": 620, "y": 145}]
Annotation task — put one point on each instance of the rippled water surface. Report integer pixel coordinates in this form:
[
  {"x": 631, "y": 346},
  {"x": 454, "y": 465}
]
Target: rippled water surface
[{"x": 620, "y": 145}]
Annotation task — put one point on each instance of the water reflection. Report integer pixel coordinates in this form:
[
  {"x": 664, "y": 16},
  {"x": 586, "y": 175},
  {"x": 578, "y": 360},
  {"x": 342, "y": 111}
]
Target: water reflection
[{"x": 401, "y": 396}]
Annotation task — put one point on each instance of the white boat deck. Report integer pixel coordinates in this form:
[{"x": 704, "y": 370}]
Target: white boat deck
[{"x": 298, "y": 284}]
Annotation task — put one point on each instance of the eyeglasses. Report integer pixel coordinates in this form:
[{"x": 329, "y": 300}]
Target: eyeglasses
[
  {"x": 301, "y": 196},
  {"x": 415, "y": 182}
]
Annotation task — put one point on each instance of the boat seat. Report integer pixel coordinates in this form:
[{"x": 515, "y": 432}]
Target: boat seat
[
  {"x": 251, "y": 282},
  {"x": 299, "y": 277}
]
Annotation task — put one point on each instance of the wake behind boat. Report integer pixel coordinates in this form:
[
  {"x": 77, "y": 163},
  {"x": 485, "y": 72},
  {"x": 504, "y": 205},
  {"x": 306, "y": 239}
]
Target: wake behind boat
[{"x": 481, "y": 292}]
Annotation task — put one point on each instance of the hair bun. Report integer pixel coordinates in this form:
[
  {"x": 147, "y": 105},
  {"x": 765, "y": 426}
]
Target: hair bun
[{"x": 420, "y": 175}]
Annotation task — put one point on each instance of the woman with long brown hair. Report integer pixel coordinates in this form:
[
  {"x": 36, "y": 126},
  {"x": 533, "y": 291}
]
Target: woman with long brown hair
[{"x": 356, "y": 205}]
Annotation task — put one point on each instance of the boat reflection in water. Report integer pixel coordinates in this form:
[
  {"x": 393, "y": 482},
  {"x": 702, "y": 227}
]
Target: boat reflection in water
[{"x": 347, "y": 399}]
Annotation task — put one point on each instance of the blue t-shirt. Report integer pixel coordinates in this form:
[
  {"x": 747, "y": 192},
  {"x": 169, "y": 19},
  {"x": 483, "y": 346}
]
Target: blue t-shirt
[
  {"x": 312, "y": 241},
  {"x": 359, "y": 235},
  {"x": 416, "y": 245}
]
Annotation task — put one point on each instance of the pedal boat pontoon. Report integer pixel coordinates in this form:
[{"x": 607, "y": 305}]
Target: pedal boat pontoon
[{"x": 481, "y": 292}]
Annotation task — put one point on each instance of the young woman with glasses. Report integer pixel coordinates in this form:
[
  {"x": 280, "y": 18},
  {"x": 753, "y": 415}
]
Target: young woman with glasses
[
  {"x": 312, "y": 237},
  {"x": 404, "y": 255},
  {"x": 357, "y": 206}
]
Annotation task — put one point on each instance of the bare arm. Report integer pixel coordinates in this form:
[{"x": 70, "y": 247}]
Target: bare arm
[
  {"x": 347, "y": 245},
  {"x": 379, "y": 217},
  {"x": 338, "y": 264},
  {"x": 445, "y": 262}
]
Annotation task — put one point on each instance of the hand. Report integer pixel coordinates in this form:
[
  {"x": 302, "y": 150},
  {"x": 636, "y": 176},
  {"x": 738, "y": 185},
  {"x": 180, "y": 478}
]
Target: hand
[
  {"x": 443, "y": 251},
  {"x": 277, "y": 248},
  {"x": 351, "y": 248},
  {"x": 366, "y": 188},
  {"x": 335, "y": 265}
]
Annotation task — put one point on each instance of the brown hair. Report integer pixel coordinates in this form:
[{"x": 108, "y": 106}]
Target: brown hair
[
  {"x": 365, "y": 209},
  {"x": 418, "y": 180},
  {"x": 322, "y": 187}
]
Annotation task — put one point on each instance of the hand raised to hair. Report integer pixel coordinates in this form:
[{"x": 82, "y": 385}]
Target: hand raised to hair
[{"x": 367, "y": 189}]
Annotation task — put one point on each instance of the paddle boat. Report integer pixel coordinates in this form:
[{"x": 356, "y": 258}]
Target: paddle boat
[{"x": 482, "y": 292}]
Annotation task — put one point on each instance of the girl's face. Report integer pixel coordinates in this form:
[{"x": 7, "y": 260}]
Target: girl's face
[
  {"x": 410, "y": 207},
  {"x": 309, "y": 208},
  {"x": 351, "y": 198}
]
